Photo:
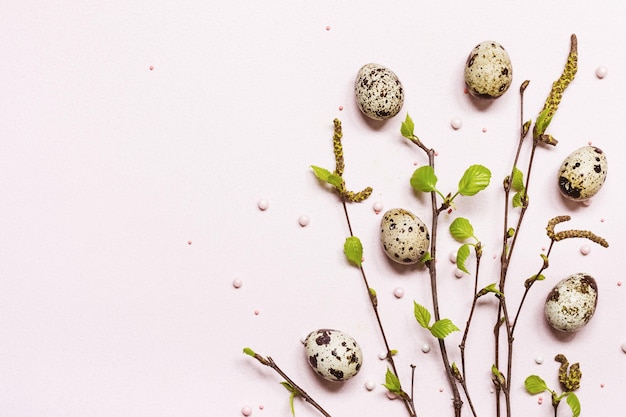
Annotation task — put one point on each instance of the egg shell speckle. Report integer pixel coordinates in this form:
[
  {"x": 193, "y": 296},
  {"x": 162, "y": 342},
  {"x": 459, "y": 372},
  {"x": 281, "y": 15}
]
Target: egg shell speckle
[
  {"x": 572, "y": 302},
  {"x": 583, "y": 173},
  {"x": 333, "y": 354},
  {"x": 404, "y": 236},
  {"x": 378, "y": 91},
  {"x": 488, "y": 70}
]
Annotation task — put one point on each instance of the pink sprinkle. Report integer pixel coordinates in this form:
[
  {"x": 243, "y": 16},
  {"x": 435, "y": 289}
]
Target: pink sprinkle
[
  {"x": 440, "y": 389},
  {"x": 465, "y": 91},
  {"x": 327, "y": 27},
  {"x": 540, "y": 400},
  {"x": 601, "y": 385},
  {"x": 246, "y": 411},
  {"x": 261, "y": 406},
  {"x": 619, "y": 283},
  {"x": 340, "y": 108},
  {"x": 484, "y": 130},
  {"x": 436, "y": 153},
  {"x": 263, "y": 204},
  {"x": 585, "y": 249},
  {"x": 543, "y": 248},
  {"x": 589, "y": 143},
  {"x": 151, "y": 67},
  {"x": 189, "y": 242},
  {"x": 391, "y": 395},
  {"x": 237, "y": 283},
  {"x": 256, "y": 312},
  {"x": 602, "y": 220}
]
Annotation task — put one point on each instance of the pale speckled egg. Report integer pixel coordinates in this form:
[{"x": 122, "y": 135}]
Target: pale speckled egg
[
  {"x": 572, "y": 302},
  {"x": 333, "y": 354},
  {"x": 378, "y": 91},
  {"x": 488, "y": 70},
  {"x": 582, "y": 173},
  {"x": 404, "y": 236}
]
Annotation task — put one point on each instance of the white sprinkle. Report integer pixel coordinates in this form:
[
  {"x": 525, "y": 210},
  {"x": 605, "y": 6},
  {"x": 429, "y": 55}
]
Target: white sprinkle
[
  {"x": 237, "y": 283},
  {"x": 370, "y": 385},
  {"x": 456, "y": 123},
  {"x": 398, "y": 292},
  {"x": 601, "y": 71},
  {"x": 377, "y": 207},
  {"x": 452, "y": 257},
  {"x": 585, "y": 249},
  {"x": 382, "y": 356},
  {"x": 458, "y": 273},
  {"x": 624, "y": 347},
  {"x": 391, "y": 395},
  {"x": 246, "y": 411},
  {"x": 303, "y": 220},
  {"x": 263, "y": 204},
  {"x": 425, "y": 348},
  {"x": 539, "y": 360}
]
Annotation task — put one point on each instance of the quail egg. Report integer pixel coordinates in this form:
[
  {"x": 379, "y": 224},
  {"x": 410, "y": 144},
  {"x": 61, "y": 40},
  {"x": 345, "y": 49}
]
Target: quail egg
[
  {"x": 488, "y": 70},
  {"x": 572, "y": 302},
  {"x": 333, "y": 354},
  {"x": 378, "y": 91},
  {"x": 582, "y": 173},
  {"x": 404, "y": 236}
]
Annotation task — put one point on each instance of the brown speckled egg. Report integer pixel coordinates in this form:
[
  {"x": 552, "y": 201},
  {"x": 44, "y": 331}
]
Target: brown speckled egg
[
  {"x": 333, "y": 354},
  {"x": 488, "y": 70},
  {"x": 582, "y": 173},
  {"x": 572, "y": 302},
  {"x": 378, "y": 91},
  {"x": 404, "y": 236}
]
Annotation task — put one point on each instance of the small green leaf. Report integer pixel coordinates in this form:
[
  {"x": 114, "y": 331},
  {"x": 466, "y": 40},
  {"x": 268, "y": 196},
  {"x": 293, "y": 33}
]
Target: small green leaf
[
  {"x": 498, "y": 375},
  {"x": 461, "y": 256},
  {"x": 542, "y": 122},
  {"x": 490, "y": 288},
  {"x": 532, "y": 279},
  {"x": 288, "y": 387},
  {"x": 442, "y": 328},
  {"x": 293, "y": 392},
  {"x": 526, "y": 127},
  {"x": 476, "y": 178},
  {"x": 574, "y": 404},
  {"x": 518, "y": 180},
  {"x": 510, "y": 232},
  {"x": 535, "y": 385},
  {"x": 353, "y": 250},
  {"x": 392, "y": 383},
  {"x": 426, "y": 257},
  {"x": 517, "y": 199},
  {"x": 327, "y": 176},
  {"x": 249, "y": 352},
  {"x": 461, "y": 229},
  {"x": 407, "y": 127},
  {"x": 393, "y": 352},
  {"x": 424, "y": 179},
  {"x": 421, "y": 315}
]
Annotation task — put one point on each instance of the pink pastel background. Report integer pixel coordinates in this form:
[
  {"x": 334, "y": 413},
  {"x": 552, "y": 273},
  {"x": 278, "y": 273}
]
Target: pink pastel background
[{"x": 137, "y": 138}]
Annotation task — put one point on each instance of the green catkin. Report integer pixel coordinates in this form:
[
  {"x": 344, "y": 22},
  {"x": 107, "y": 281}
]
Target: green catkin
[
  {"x": 569, "y": 376},
  {"x": 556, "y": 93},
  {"x": 338, "y": 148}
]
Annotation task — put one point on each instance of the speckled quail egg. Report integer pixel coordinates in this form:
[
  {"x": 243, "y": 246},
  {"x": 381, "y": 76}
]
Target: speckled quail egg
[
  {"x": 404, "y": 236},
  {"x": 488, "y": 70},
  {"x": 582, "y": 173},
  {"x": 572, "y": 302},
  {"x": 378, "y": 91},
  {"x": 333, "y": 354}
]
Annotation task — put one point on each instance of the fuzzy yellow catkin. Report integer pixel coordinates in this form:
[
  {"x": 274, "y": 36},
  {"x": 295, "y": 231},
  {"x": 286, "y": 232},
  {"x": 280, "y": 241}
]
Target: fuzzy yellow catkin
[
  {"x": 338, "y": 148},
  {"x": 559, "y": 86}
]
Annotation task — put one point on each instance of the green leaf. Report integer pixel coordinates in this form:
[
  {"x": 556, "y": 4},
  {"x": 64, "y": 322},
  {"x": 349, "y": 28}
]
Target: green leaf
[
  {"x": 499, "y": 375},
  {"x": 392, "y": 383},
  {"x": 421, "y": 315},
  {"x": 490, "y": 288},
  {"x": 517, "y": 199},
  {"x": 542, "y": 122},
  {"x": 461, "y": 229},
  {"x": 426, "y": 257},
  {"x": 407, "y": 127},
  {"x": 393, "y": 352},
  {"x": 518, "y": 180},
  {"x": 476, "y": 178},
  {"x": 249, "y": 352},
  {"x": 293, "y": 392},
  {"x": 574, "y": 404},
  {"x": 535, "y": 385},
  {"x": 327, "y": 176},
  {"x": 442, "y": 328},
  {"x": 424, "y": 179},
  {"x": 461, "y": 256},
  {"x": 353, "y": 250}
]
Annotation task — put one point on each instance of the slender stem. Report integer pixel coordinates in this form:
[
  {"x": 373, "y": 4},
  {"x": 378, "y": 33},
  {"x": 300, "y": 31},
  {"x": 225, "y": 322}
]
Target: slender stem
[
  {"x": 432, "y": 268},
  {"x": 408, "y": 402},
  {"x": 299, "y": 391}
]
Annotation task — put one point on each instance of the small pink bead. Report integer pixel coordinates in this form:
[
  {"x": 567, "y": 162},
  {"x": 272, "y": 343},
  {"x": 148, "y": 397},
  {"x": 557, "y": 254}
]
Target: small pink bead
[{"x": 246, "y": 411}]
